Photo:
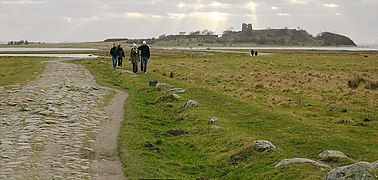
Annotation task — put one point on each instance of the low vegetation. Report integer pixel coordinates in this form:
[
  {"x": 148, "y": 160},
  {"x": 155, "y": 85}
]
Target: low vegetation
[
  {"x": 300, "y": 101},
  {"x": 19, "y": 70}
]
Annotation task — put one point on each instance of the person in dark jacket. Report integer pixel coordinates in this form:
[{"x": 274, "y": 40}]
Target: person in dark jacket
[
  {"x": 145, "y": 56},
  {"x": 121, "y": 54},
  {"x": 114, "y": 54}
]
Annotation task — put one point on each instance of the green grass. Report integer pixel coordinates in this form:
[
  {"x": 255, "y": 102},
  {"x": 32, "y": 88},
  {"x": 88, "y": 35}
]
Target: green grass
[
  {"x": 293, "y": 99},
  {"x": 19, "y": 70}
]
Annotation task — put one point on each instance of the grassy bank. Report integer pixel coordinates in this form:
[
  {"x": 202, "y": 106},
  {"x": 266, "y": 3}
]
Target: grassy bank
[
  {"x": 303, "y": 103},
  {"x": 19, "y": 70}
]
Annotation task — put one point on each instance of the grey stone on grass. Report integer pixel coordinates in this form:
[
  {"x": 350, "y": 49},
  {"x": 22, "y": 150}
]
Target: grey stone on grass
[
  {"x": 161, "y": 86},
  {"x": 332, "y": 155},
  {"x": 177, "y": 90},
  {"x": 300, "y": 160},
  {"x": 360, "y": 170},
  {"x": 213, "y": 120},
  {"x": 263, "y": 146},
  {"x": 190, "y": 103}
]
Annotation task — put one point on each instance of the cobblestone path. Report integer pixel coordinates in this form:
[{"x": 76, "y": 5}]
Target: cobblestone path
[{"x": 48, "y": 128}]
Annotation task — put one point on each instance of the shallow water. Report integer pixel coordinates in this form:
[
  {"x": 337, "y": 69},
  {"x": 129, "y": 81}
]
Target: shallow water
[
  {"x": 51, "y": 55},
  {"x": 46, "y": 49}
]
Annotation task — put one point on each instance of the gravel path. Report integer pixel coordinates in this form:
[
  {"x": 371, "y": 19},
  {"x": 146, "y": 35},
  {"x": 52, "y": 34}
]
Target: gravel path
[{"x": 57, "y": 128}]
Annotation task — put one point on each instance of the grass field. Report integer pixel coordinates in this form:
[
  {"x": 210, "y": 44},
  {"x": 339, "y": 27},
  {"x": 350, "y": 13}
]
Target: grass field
[
  {"x": 303, "y": 102},
  {"x": 19, "y": 70}
]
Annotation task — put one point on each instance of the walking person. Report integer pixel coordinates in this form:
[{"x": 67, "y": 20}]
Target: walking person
[
  {"x": 145, "y": 56},
  {"x": 252, "y": 52},
  {"x": 114, "y": 54},
  {"x": 134, "y": 57},
  {"x": 121, "y": 54}
]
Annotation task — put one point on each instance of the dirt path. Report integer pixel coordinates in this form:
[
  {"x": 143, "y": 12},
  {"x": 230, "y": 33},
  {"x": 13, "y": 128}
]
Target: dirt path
[{"x": 55, "y": 127}]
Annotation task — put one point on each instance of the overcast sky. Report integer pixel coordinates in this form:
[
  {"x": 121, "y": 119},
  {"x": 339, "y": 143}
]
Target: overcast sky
[{"x": 93, "y": 20}]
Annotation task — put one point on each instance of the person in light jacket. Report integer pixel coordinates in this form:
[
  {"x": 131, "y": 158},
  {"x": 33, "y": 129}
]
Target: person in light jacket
[{"x": 134, "y": 57}]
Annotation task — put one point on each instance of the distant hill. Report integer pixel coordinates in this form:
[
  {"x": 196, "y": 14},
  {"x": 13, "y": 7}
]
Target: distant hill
[
  {"x": 247, "y": 36},
  {"x": 285, "y": 37}
]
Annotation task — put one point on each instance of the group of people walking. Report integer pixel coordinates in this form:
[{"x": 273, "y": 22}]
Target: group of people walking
[{"x": 137, "y": 54}]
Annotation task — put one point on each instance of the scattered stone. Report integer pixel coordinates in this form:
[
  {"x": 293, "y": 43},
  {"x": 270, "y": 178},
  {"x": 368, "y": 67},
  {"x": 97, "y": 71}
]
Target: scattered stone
[
  {"x": 152, "y": 147},
  {"x": 176, "y": 132},
  {"x": 12, "y": 103},
  {"x": 177, "y": 90},
  {"x": 152, "y": 83},
  {"x": 50, "y": 121},
  {"x": 161, "y": 86},
  {"x": 46, "y": 113},
  {"x": 215, "y": 127},
  {"x": 300, "y": 160},
  {"x": 213, "y": 120},
  {"x": 169, "y": 98},
  {"x": 263, "y": 146},
  {"x": 360, "y": 170},
  {"x": 147, "y": 117},
  {"x": 190, "y": 103},
  {"x": 332, "y": 155}
]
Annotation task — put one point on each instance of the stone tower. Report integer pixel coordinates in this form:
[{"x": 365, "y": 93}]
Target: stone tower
[{"x": 246, "y": 27}]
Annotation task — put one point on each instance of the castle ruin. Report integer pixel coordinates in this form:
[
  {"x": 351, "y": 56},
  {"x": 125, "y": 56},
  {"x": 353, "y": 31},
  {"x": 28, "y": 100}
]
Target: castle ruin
[{"x": 246, "y": 27}]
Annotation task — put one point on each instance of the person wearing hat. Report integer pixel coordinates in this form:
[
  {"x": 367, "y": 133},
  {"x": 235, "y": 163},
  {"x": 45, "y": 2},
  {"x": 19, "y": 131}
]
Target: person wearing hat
[
  {"x": 145, "y": 56},
  {"x": 134, "y": 57}
]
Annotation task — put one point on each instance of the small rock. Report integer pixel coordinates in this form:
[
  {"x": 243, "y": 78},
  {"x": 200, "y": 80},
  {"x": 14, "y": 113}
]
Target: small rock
[
  {"x": 46, "y": 113},
  {"x": 361, "y": 170},
  {"x": 12, "y": 103},
  {"x": 213, "y": 120},
  {"x": 177, "y": 90},
  {"x": 190, "y": 103},
  {"x": 147, "y": 117},
  {"x": 263, "y": 146},
  {"x": 152, "y": 83},
  {"x": 332, "y": 155},
  {"x": 215, "y": 127},
  {"x": 176, "y": 132},
  {"x": 152, "y": 147},
  {"x": 300, "y": 160},
  {"x": 161, "y": 86}
]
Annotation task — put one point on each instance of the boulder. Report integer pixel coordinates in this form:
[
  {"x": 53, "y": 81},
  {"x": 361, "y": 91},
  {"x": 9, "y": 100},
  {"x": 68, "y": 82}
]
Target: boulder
[
  {"x": 300, "y": 160},
  {"x": 360, "y": 170},
  {"x": 190, "y": 103},
  {"x": 263, "y": 146},
  {"x": 152, "y": 83},
  {"x": 332, "y": 155}
]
